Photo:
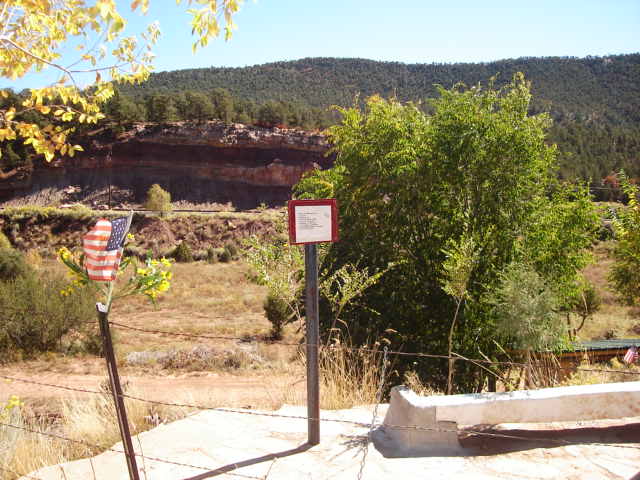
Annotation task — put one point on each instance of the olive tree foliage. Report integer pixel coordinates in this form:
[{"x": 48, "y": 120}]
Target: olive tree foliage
[
  {"x": 526, "y": 309},
  {"x": 34, "y": 35},
  {"x": 410, "y": 185}
]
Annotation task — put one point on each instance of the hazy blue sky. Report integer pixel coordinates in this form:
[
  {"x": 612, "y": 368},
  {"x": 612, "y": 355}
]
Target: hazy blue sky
[{"x": 411, "y": 31}]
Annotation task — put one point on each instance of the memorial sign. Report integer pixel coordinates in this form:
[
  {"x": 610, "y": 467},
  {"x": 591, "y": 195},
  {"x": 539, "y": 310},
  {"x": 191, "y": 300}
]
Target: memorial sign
[{"x": 313, "y": 221}]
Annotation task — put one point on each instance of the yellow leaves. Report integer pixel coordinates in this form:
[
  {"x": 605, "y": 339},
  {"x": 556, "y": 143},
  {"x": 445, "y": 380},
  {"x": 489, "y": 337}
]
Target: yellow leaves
[
  {"x": 7, "y": 134},
  {"x": 10, "y": 114},
  {"x": 39, "y": 31}
]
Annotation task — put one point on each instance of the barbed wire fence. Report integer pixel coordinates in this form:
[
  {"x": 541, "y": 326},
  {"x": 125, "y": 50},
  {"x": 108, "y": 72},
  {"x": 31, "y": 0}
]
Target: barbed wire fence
[{"x": 369, "y": 427}]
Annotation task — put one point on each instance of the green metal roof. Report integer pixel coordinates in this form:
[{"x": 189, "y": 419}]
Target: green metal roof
[{"x": 612, "y": 344}]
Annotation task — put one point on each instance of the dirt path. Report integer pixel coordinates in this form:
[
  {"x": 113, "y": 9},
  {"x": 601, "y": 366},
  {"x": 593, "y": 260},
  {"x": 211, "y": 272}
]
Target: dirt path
[{"x": 212, "y": 389}]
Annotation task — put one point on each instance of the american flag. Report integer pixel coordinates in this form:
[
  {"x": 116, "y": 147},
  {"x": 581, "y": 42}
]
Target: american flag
[
  {"x": 631, "y": 356},
  {"x": 102, "y": 248}
]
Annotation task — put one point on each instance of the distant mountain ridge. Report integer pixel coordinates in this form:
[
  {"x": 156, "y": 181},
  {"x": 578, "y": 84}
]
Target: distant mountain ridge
[
  {"x": 594, "y": 101},
  {"x": 599, "y": 89}
]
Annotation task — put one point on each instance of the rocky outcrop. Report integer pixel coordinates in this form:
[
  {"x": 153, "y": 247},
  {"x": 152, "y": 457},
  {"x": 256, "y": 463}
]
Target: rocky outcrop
[
  {"x": 215, "y": 150},
  {"x": 208, "y": 162}
]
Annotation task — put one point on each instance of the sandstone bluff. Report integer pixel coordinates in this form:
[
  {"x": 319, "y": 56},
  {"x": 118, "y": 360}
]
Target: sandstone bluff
[{"x": 199, "y": 163}]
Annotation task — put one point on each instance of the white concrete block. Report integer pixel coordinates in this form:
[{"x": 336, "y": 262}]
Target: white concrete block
[{"x": 438, "y": 416}]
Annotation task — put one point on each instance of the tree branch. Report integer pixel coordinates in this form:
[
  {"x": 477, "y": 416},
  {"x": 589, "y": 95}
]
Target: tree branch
[{"x": 9, "y": 174}]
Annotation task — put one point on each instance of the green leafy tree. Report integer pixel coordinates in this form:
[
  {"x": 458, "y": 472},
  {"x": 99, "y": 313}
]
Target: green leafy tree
[
  {"x": 585, "y": 304},
  {"x": 457, "y": 269},
  {"x": 158, "y": 200},
  {"x": 198, "y": 107},
  {"x": 122, "y": 110},
  {"x": 279, "y": 266},
  {"x": 222, "y": 104},
  {"x": 411, "y": 184},
  {"x": 625, "y": 272},
  {"x": 161, "y": 108},
  {"x": 272, "y": 113}
]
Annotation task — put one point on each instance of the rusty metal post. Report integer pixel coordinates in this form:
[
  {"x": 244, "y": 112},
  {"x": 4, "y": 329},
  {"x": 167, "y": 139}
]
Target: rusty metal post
[{"x": 116, "y": 390}]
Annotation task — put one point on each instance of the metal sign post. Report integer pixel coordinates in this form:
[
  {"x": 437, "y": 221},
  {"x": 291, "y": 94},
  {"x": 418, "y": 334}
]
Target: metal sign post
[
  {"x": 116, "y": 390},
  {"x": 313, "y": 337},
  {"x": 312, "y": 222}
]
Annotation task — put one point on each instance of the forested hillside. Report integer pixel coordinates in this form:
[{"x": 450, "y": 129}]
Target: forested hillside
[
  {"x": 596, "y": 88},
  {"x": 594, "y": 101}
]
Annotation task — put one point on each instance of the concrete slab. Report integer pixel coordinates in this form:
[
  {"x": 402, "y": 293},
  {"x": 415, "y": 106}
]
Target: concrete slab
[{"x": 214, "y": 440}]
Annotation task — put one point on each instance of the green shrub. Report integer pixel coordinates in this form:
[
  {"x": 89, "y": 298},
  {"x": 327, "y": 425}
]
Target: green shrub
[
  {"x": 182, "y": 253},
  {"x": 200, "y": 255},
  {"x": 158, "y": 200},
  {"x": 233, "y": 250},
  {"x": 12, "y": 264},
  {"x": 4, "y": 241},
  {"x": 137, "y": 252},
  {"x": 212, "y": 255},
  {"x": 278, "y": 313},
  {"x": 225, "y": 256},
  {"x": 36, "y": 315}
]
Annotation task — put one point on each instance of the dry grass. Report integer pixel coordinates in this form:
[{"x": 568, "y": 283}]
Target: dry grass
[
  {"x": 349, "y": 377},
  {"x": 209, "y": 290},
  {"x": 92, "y": 420},
  {"x": 614, "y": 319},
  {"x": 602, "y": 373},
  {"x": 412, "y": 381}
]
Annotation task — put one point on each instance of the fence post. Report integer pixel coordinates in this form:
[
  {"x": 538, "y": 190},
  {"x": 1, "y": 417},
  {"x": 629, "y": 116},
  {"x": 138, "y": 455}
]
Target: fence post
[
  {"x": 313, "y": 335},
  {"x": 116, "y": 390}
]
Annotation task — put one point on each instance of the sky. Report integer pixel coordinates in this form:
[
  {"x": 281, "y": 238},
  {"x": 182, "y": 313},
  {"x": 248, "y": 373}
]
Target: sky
[{"x": 409, "y": 31}]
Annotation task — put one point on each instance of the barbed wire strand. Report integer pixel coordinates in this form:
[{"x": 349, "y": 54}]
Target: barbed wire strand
[
  {"x": 7, "y": 469},
  {"x": 279, "y": 415},
  {"x": 105, "y": 448},
  {"x": 363, "y": 349},
  {"x": 64, "y": 475},
  {"x": 300, "y": 417},
  {"x": 374, "y": 417}
]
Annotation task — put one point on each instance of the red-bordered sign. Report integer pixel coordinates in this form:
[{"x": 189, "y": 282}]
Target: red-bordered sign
[{"x": 313, "y": 221}]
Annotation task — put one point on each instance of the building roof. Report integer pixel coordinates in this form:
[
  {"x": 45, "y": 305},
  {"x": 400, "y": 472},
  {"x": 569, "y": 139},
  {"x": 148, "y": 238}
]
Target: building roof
[{"x": 612, "y": 344}]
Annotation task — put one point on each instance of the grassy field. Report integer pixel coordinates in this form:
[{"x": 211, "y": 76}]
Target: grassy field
[{"x": 614, "y": 319}]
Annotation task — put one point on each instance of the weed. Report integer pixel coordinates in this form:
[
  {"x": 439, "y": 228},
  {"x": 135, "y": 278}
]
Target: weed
[{"x": 183, "y": 253}]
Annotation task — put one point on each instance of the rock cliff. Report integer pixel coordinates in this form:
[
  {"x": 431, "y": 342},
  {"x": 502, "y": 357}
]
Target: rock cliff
[{"x": 210, "y": 162}]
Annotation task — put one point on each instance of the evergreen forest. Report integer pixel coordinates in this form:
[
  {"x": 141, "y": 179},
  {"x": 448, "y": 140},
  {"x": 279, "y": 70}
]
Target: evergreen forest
[{"x": 594, "y": 102}]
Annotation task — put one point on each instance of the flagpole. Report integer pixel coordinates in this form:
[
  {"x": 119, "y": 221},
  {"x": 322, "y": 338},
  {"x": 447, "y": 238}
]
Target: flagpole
[
  {"x": 116, "y": 388},
  {"x": 114, "y": 378}
]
